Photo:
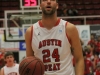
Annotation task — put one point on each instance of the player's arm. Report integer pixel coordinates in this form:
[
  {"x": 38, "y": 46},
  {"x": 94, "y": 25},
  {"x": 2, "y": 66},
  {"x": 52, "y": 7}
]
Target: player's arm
[
  {"x": 29, "y": 51},
  {"x": 77, "y": 48},
  {"x": 2, "y": 71}
]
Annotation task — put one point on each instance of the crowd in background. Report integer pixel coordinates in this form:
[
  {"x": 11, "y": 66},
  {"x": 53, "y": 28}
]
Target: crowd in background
[
  {"x": 64, "y": 11},
  {"x": 91, "y": 54},
  {"x": 91, "y": 51}
]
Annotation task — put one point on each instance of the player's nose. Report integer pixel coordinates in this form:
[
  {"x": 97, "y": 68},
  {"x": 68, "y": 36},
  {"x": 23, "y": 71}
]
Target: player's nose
[{"x": 48, "y": 1}]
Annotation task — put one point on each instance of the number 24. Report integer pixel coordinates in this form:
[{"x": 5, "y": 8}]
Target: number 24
[{"x": 46, "y": 56}]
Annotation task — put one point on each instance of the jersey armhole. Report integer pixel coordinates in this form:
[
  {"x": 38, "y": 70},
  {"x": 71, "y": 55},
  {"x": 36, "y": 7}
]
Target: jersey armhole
[
  {"x": 31, "y": 34},
  {"x": 67, "y": 34}
]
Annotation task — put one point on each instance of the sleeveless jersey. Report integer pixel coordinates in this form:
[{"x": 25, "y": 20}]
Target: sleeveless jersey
[
  {"x": 11, "y": 70},
  {"x": 53, "y": 48}
]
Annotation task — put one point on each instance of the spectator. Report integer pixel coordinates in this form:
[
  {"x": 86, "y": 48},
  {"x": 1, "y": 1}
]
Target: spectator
[
  {"x": 72, "y": 11},
  {"x": 64, "y": 10},
  {"x": 97, "y": 72},
  {"x": 88, "y": 66},
  {"x": 2, "y": 62},
  {"x": 10, "y": 68},
  {"x": 92, "y": 40},
  {"x": 93, "y": 43},
  {"x": 98, "y": 45},
  {"x": 64, "y": 6},
  {"x": 69, "y": 12},
  {"x": 96, "y": 61}
]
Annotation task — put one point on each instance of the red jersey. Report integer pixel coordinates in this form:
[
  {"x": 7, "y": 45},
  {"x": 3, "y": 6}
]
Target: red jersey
[
  {"x": 97, "y": 72},
  {"x": 92, "y": 42},
  {"x": 98, "y": 46},
  {"x": 2, "y": 62},
  {"x": 0, "y": 59},
  {"x": 88, "y": 65}
]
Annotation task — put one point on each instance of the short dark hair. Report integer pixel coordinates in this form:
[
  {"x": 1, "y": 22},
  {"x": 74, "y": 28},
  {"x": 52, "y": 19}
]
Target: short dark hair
[{"x": 8, "y": 53}]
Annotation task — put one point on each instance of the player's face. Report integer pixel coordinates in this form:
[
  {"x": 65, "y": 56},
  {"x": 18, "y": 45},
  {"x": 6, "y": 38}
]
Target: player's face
[
  {"x": 9, "y": 59},
  {"x": 49, "y": 7}
]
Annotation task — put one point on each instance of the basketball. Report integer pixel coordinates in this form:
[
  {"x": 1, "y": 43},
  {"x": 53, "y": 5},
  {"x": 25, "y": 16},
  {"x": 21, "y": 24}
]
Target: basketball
[{"x": 31, "y": 66}]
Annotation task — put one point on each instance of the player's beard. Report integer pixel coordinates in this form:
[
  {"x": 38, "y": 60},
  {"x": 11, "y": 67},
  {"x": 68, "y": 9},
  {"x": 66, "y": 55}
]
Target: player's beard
[{"x": 49, "y": 12}]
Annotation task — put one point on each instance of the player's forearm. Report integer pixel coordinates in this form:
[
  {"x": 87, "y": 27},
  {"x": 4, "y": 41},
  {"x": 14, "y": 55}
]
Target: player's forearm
[{"x": 79, "y": 67}]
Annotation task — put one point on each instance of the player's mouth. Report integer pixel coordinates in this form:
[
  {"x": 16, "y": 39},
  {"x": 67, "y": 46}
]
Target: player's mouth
[
  {"x": 48, "y": 7},
  {"x": 10, "y": 61}
]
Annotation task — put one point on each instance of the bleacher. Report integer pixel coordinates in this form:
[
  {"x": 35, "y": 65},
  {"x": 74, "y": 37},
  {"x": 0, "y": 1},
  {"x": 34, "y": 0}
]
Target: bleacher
[{"x": 85, "y": 8}]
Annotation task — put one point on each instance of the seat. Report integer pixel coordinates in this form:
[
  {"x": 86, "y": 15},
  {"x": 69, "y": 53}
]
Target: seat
[
  {"x": 89, "y": 12},
  {"x": 81, "y": 12},
  {"x": 96, "y": 6},
  {"x": 69, "y": 20},
  {"x": 88, "y": 6},
  {"x": 79, "y": 6},
  {"x": 97, "y": 12},
  {"x": 5, "y": 8},
  {"x": 14, "y": 4},
  {"x": 96, "y": 21},
  {"x": 14, "y": 8},
  {"x": 69, "y": 2},
  {"x": 79, "y": 2},
  {"x": 76, "y": 21},
  {"x": 89, "y": 21},
  {"x": 87, "y": 1},
  {"x": 95, "y": 1},
  {"x": 4, "y": 4}
]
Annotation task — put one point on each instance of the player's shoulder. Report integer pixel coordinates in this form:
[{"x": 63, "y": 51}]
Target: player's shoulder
[
  {"x": 71, "y": 29},
  {"x": 29, "y": 29},
  {"x": 70, "y": 26}
]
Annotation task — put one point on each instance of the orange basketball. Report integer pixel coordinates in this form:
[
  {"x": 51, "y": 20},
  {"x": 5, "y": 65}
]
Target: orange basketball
[{"x": 31, "y": 66}]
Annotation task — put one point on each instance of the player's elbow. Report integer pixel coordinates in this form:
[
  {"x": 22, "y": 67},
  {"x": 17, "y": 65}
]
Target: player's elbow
[{"x": 80, "y": 62}]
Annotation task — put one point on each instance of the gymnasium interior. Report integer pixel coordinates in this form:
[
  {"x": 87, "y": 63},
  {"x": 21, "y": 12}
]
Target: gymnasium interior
[{"x": 84, "y": 14}]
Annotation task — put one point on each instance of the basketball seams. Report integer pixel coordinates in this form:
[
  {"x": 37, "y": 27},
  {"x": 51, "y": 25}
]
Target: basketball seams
[
  {"x": 31, "y": 66},
  {"x": 41, "y": 66},
  {"x": 27, "y": 65},
  {"x": 35, "y": 67}
]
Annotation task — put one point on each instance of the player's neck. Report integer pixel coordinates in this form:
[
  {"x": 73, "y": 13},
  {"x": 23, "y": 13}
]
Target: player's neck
[
  {"x": 49, "y": 21},
  {"x": 10, "y": 64}
]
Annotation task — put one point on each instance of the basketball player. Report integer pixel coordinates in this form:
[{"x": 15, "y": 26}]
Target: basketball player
[
  {"x": 51, "y": 38},
  {"x": 10, "y": 67}
]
